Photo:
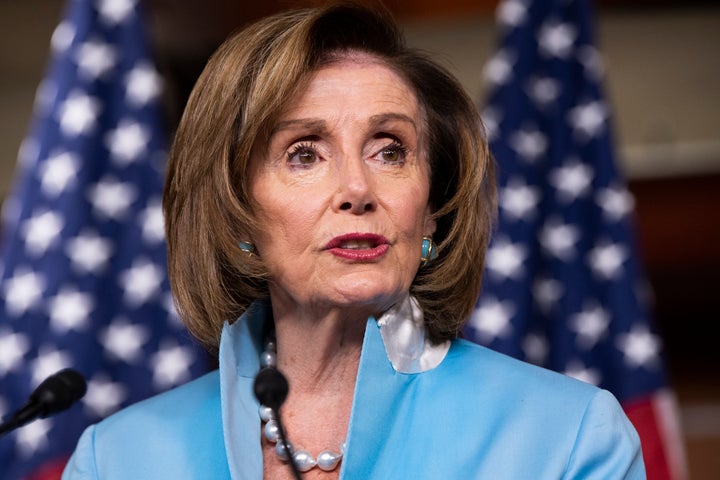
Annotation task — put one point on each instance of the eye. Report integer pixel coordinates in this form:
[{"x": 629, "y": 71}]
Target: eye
[
  {"x": 393, "y": 153},
  {"x": 303, "y": 154}
]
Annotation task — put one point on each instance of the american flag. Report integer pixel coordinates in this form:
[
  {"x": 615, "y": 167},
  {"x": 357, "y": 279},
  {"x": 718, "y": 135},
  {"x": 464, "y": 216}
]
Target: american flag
[
  {"x": 83, "y": 279},
  {"x": 563, "y": 285}
]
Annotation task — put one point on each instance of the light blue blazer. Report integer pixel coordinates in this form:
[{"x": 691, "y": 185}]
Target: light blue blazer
[{"x": 476, "y": 415}]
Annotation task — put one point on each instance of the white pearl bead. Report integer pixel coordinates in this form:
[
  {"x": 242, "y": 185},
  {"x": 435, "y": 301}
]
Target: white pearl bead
[
  {"x": 328, "y": 460},
  {"x": 267, "y": 359},
  {"x": 281, "y": 452},
  {"x": 271, "y": 431},
  {"x": 304, "y": 460},
  {"x": 265, "y": 413}
]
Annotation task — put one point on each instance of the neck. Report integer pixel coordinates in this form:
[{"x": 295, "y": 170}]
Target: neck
[{"x": 319, "y": 351}]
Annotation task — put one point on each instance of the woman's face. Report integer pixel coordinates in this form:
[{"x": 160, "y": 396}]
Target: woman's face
[{"x": 342, "y": 190}]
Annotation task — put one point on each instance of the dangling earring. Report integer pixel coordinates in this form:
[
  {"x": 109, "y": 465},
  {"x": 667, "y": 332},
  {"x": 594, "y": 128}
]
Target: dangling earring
[
  {"x": 429, "y": 251},
  {"x": 247, "y": 247}
]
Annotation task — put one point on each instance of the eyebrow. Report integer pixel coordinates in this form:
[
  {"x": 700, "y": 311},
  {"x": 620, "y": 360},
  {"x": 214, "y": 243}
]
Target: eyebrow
[
  {"x": 383, "y": 118},
  {"x": 320, "y": 125},
  {"x": 299, "y": 123}
]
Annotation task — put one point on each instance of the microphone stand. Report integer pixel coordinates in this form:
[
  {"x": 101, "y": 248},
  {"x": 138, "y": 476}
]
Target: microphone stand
[
  {"x": 271, "y": 388},
  {"x": 285, "y": 445},
  {"x": 20, "y": 418},
  {"x": 55, "y": 394}
]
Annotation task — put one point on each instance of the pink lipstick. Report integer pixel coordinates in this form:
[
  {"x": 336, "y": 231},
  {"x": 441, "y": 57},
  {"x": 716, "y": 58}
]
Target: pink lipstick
[{"x": 359, "y": 247}]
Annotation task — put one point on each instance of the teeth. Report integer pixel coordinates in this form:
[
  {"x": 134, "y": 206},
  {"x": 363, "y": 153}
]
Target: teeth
[{"x": 357, "y": 245}]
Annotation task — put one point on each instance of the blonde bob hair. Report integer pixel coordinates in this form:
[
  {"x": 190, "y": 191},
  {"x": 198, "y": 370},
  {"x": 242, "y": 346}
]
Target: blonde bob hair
[{"x": 231, "y": 110}]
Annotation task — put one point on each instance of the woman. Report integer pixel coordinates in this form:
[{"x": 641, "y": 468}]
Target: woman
[{"x": 331, "y": 190}]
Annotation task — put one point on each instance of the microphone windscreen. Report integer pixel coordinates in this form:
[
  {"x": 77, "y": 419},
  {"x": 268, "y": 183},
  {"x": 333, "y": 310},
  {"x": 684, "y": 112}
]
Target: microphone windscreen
[
  {"x": 58, "y": 392},
  {"x": 271, "y": 388}
]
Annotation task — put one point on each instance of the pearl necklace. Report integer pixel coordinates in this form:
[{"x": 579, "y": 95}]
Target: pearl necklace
[{"x": 326, "y": 460}]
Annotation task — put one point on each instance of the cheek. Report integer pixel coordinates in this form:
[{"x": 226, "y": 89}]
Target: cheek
[
  {"x": 411, "y": 214},
  {"x": 287, "y": 220}
]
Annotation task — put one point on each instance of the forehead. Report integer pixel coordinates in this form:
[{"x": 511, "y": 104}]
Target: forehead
[{"x": 353, "y": 83}]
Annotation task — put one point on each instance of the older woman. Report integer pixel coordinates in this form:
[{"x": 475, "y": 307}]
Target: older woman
[{"x": 328, "y": 205}]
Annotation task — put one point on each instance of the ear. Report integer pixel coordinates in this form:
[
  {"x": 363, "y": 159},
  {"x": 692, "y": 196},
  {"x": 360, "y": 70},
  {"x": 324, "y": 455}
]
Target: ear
[{"x": 430, "y": 224}]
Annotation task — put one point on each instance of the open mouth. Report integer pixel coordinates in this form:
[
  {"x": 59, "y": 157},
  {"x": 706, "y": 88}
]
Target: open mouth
[{"x": 358, "y": 245}]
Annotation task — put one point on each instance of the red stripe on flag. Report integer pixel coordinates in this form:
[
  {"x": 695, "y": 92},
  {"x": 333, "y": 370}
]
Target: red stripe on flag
[
  {"x": 51, "y": 470},
  {"x": 656, "y": 420}
]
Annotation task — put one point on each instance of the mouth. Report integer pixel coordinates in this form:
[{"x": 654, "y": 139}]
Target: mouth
[
  {"x": 359, "y": 247},
  {"x": 357, "y": 241}
]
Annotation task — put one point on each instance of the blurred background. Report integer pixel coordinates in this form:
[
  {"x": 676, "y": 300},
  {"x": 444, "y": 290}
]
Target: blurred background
[{"x": 662, "y": 81}]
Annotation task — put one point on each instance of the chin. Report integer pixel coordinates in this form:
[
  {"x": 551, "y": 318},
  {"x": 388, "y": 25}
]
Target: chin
[{"x": 380, "y": 295}]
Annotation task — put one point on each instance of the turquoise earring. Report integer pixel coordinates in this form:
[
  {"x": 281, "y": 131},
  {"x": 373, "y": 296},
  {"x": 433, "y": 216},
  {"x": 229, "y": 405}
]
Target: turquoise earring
[
  {"x": 247, "y": 247},
  {"x": 429, "y": 251}
]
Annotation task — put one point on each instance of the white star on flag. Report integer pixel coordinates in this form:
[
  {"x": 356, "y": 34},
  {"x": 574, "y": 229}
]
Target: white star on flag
[
  {"x": 124, "y": 341},
  {"x": 590, "y": 324},
  {"x": 58, "y": 171},
  {"x": 171, "y": 365},
  {"x": 127, "y": 142},
  {"x": 543, "y": 90},
  {"x": 23, "y": 291},
  {"x": 505, "y": 259},
  {"x": 114, "y": 12},
  {"x": 588, "y": 119},
  {"x": 33, "y": 437},
  {"x": 78, "y": 114},
  {"x": 616, "y": 202},
  {"x": 13, "y": 347},
  {"x": 141, "y": 282},
  {"x": 572, "y": 180},
  {"x": 518, "y": 199},
  {"x": 103, "y": 396},
  {"x": 95, "y": 58},
  {"x": 111, "y": 198},
  {"x": 499, "y": 69},
  {"x": 28, "y": 155},
  {"x": 491, "y": 119},
  {"x": 559, "y": 239},
  {"x": 62, "y": 37},
  {"x": 40, "y": 231},
  {"x": 142, "y": 85},
  {"x": 592, "y": 62},
  {"x": 577, "y": 370},
  {"x": 89, "y": 252},
  {"x": 557, "y": 39},
  {"x": 546, "y": 292},
  {"x": 45, "y": 96},
  {"x": 491, "y": 319},
  {"x": 70, "y": 310},
  {"x": 153, "y": 222},
  {"x": 49, "y": 361},
  {"x": 536, "y": 348},
  {"x": 606, "y": 259},
  {"x": 511, "y": 13},
  {"x": 640, "y": 347},
  {"x": 530, "y": 143}
]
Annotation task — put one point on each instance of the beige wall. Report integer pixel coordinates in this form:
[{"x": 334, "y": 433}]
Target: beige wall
[{"x": 663, "y": 78}]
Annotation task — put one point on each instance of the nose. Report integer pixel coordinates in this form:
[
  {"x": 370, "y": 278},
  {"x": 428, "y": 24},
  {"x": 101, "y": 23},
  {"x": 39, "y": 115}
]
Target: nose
[{"x": 355, "y": 193}]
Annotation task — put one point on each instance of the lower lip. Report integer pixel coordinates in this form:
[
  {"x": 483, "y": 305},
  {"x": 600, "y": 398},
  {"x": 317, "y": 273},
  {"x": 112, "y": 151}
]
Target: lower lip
[{"x": 357, "y": 255}]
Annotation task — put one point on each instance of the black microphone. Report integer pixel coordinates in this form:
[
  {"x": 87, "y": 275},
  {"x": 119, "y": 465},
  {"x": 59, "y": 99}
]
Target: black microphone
[
  {"x": 271, "y": 389},
  {"x": 55, "y": 394}
]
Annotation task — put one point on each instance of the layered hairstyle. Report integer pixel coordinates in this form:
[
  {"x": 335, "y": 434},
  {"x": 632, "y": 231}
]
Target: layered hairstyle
[{"x": 231, "y": 111}]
